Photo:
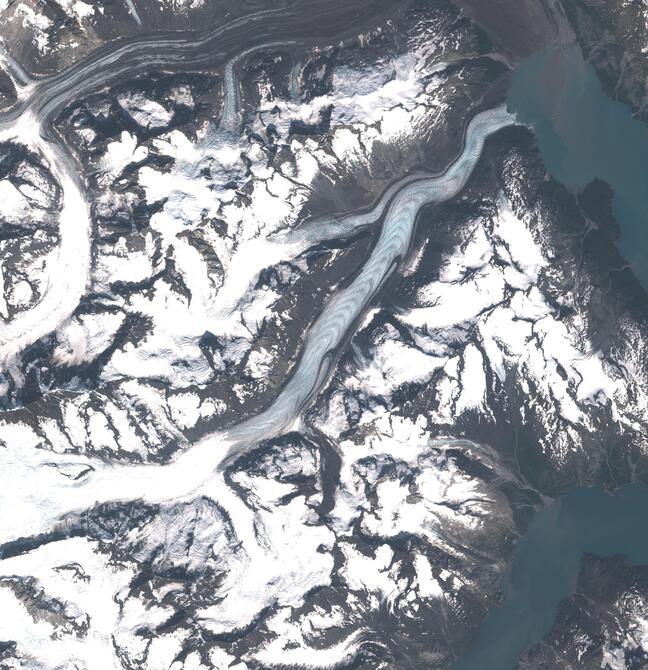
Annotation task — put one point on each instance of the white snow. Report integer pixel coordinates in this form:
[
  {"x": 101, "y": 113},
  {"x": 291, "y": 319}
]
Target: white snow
[
  {"x": 13, "y": 204},
  {"x": 473, "y": 381},
  {"x": 122, "y": 153},
  {"x": 185, "y": 408},
  {"x": 37, "y": 22},
  {"x": 66, "y": 273},
  {"x": 428, "y": 586},
  {"x": 369, "y": 574},
  {"x": 78, "y": 8},
  {"x": 94, "y": 598},
  {"x": 291, "y": 647},
  {"x": 146, "y": 113},
  {"x": 82, "y": 338},
  {"x": 391, "y": 364}
]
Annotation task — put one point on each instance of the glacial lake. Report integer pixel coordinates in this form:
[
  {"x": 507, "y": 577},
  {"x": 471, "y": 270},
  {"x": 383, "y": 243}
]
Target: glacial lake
[
  {"x": 582, "y": 134},
  {"x": 546, "y": 564}
]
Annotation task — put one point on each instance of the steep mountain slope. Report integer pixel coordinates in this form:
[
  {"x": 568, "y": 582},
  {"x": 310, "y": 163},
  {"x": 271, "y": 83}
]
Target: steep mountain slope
[{"x": 296, "y": 334}]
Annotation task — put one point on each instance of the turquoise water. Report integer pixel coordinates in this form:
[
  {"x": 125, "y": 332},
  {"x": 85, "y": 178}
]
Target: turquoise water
[
  {"x": 583, "y": 134},
  {"x": 546, "y": 563}
]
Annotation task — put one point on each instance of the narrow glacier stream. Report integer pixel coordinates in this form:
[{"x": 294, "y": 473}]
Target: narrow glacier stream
[
  {"x": 344, "y": 309},
  {"x": 68, "y": 268},
  {"x": 62, "y": 485},
  {"x": 41, "y": 99}
]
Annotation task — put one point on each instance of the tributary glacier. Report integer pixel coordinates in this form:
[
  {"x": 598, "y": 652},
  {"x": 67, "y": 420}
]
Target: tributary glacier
[{"x": 318, "y": 322}]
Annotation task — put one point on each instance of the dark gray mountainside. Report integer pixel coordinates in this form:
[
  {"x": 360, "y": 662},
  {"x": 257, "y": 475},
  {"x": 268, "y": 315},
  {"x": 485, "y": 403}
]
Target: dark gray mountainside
[
  {"x": 298, "y": 331},
  {"x": 603, "y": 625},
  {"x": 613, "y": 37}
]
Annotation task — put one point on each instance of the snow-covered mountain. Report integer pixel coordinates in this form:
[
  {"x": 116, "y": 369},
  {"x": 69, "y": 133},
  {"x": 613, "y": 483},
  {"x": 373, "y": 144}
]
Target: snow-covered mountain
[{"x": 296, "y": 333}]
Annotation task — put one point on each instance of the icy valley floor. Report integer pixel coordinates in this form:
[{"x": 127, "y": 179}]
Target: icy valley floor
[{"x": 297, "y": 332}]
